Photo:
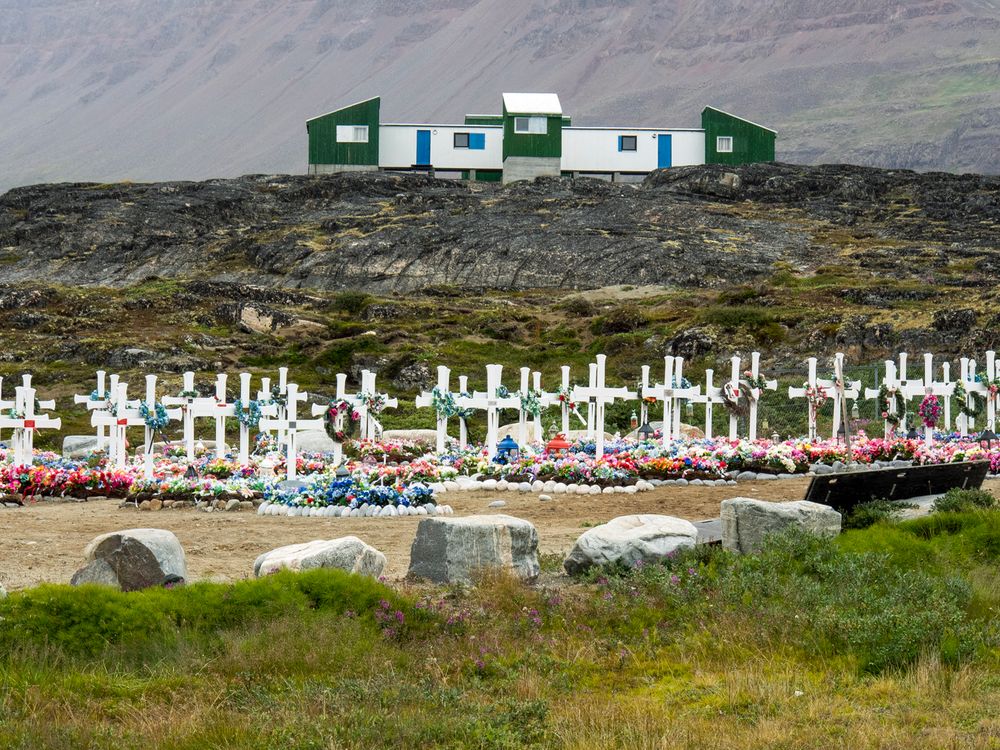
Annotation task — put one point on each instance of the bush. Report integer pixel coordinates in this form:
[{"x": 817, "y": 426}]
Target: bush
[
  {"x": 868, "y": 514},
  {"x": 960, "y": 501},
  {"x": 351, "y": 302},
  {"x": 85, "y": 620},
  {"x": 623, "y": 319}
]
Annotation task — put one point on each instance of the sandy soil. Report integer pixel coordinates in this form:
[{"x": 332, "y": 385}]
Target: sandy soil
[{"x": 45, "y": 541}]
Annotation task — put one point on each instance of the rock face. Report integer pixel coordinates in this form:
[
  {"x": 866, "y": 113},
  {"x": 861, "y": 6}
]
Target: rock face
[
  {"x": 133, "y": 559},
  {"x": 347, "y": 553},
  {"x": 746, "y": 521},
  {"x": 448, "y": 550},
  {"x": 628, "y": 540}
]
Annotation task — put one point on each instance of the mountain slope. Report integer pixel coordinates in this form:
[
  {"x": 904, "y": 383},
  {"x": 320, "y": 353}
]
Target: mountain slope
[{"x": 180, "y": 89}]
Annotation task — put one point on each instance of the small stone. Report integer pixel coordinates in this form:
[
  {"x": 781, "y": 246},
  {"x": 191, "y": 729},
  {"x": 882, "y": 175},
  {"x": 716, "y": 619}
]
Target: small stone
[
  {"x": 232, "y": 505},
  {"x": 766, "y": 478},
  {"x": 595, "y": 489},
  {"x": 502, "y": 485},
  {"x": 144, "y": 505},
  {"x": 608, "y": 491},
  {"x": 246, "y": 505},
  {"x": 524, "y": 487},
  {"x": 490, "y": 485},
  {"x": 560, "y": 488},
  {"x": 746, "y": 476},
  {"x": 682, "y": 482},
  {"x": 583, "y": 490},
  {"x": 497, "y": 504},
  {"x": 696, "y": 482},
  {"x": 544, "y": 498},
  {"x": 169, "y": 503}
]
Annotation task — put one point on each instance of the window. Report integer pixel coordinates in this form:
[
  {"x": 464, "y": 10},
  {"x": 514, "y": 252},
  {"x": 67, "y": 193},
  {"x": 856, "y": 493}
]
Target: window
[
  {"x": 472, "y": 141},
  {"x": 352, "y": 134},
  {"x": 533, "y": 125},
  {"x": 461, "y": 140},
  {"x": 628, "y": 143},
  {"x": 724, "y": 144}
]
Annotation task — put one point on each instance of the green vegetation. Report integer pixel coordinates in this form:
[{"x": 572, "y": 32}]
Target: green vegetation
[
  {"x": 960, "y": 501},
  {"x": 885, "y": 637},
  {"x": 863, "y": 515}
]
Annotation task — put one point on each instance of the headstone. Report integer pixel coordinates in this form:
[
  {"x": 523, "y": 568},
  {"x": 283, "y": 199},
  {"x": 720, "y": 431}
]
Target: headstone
[
  {"x": 746, "y": 522},
  {"x": 448, "y": 550},
  {"x": 133, "y": 559},
  {"x": 628, "y": 540},
  {"x": 346, "y": 553}
]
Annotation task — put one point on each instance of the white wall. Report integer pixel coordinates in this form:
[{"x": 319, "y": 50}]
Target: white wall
[
  {"x": 397, "y": 147},
  {"x": 596, "y": 149}
]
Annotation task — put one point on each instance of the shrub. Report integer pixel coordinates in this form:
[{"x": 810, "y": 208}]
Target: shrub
[
  {"x": 623, "y": 319},
  {"x": 351, "y": 302},
  {"x": 959, "y": 501},
  {"x": 868, "y": 514},
  {"x": 578, "y": 306},
  {"x": 85, "y": 620}
]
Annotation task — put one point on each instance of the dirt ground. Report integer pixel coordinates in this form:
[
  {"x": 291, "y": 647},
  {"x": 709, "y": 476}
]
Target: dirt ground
[{"x": 44, "y": 542}]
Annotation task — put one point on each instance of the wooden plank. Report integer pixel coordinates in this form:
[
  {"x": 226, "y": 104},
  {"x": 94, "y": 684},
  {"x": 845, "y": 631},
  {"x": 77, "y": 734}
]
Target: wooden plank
[{"x": 844, "y": 491}]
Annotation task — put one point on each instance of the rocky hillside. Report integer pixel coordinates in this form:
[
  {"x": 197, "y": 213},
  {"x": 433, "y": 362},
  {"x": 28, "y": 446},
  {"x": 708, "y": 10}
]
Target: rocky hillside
[
  {"x": 401, "y": 273},
  {"x": 123, "y": 89}
]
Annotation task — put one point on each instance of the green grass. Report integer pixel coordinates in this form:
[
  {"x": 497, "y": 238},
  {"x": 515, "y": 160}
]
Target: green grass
[{"x": 855, "y": 642}]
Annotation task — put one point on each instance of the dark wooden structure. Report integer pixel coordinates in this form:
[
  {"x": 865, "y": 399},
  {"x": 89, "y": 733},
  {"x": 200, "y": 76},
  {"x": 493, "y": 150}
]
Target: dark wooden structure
[{"x": 844, "y": 491}]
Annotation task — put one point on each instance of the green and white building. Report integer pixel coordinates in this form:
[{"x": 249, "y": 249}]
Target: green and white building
[{"x": 530, "y": 138}]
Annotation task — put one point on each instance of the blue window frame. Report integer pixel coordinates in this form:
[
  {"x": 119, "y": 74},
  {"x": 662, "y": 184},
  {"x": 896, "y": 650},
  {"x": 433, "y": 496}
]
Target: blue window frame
[{"x": 628, "y": 143}]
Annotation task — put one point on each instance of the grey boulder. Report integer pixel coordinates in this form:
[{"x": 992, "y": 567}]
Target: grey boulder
[
  {"x": 133, "y": 559},
  {"x": 79, "y": 446},
  {"x": 346, "y": 553},
  {"x": 629, "y": 540},
  {"x": 447, "y": 550},
  {"x": 746, "y": 522},
  {"x": 314, "y": 441}
]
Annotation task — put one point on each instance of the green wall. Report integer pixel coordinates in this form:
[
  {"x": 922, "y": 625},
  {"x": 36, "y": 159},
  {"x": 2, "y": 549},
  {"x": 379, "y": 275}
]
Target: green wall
[
  {"x": 323, "y": 146},
  {"x": 484, "y": 119},
  {"x": 532, "y": 144},
  {"x": 751, "y": 143}
]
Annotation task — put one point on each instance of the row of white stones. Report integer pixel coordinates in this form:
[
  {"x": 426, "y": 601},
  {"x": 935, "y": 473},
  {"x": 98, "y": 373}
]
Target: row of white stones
[{"x": 363, "y": 511}]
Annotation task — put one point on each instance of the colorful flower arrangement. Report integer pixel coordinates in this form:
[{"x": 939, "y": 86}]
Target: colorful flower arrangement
[
  {"x": 340, "y": 420},
  {"x": 930, "y": 410},
  {"x": 249, "y": 414}
]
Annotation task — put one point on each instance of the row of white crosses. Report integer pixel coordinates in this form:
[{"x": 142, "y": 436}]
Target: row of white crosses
[
  {"x": 817, "y": 390},
  {"x": 671, "y": 392},
  {"x": 24, "y": 421}
]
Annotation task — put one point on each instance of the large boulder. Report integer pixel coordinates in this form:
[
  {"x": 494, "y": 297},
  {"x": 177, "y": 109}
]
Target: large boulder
[
  {"x": 79, "y": 446},
  {"x": 314, "y": 441},
  {"x": 447, "y": 550},
  {"x": 347, "y": 553},
  {"x": 746, "y": 521},
  {"x": 133, "y": 559},
  {"x": 629, "y": 540},
  {"x": 427, "y": 437}
]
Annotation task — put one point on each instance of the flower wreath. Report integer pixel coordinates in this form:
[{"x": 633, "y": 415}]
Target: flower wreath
[
  {"x": 443, "y": 403},
  {"x": 887, "y": 399},
  {"x": 502, "y": 392},
  {"x": 95, "y": 396},
  {"x": 972, "y": 410},
  {"x": 156, "y": 418},
  {"x": 188, "y": 394},
  {"x": 816, "y": 396},
  {"x": 930, "y": 410},
  {"x": 376, "y": 402},
  {"x": 340, "y": 421},
  {"x": 531, "y": 402},
  {"x": 249, "y": 417}
]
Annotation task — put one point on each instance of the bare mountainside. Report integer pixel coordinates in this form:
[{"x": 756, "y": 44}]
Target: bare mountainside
[{"x": 128, "y": 89}]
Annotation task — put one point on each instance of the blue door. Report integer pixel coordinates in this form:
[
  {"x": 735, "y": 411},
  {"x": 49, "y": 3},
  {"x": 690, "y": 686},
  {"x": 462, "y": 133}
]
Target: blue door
[
  {"x": 663, "y": 151},
  {"x": 423, "y": 147}
]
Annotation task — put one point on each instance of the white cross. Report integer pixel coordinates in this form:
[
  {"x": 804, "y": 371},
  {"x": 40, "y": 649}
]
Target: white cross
[
  {"x": 566, "y": 403},
  {"x": 813, "y": 386},
  {"x": 290, "y": 425},
  {"x": 371, "y": 428},
  {"x": 150, "y": 434},
  {"x": 266, "y": 408},
  {"x": 522, "y": 413},
  {"x": 191, "y": 407},
  {"x": 850, "y": 390},
  {"x": 491, "y": 403},
  {"x": 98, "y": 404},
  {"x": 942, "y": 389},
  {"x": 967, "y": 376},
  {"x": 265, "y": 394},
  {"x": 712, "y": 396},
  {"x": 670, "y": 392},
  {"x": 598, "y": 396},
  {"x": 25, "y": 422},
  {"x": 426, "y": 399},
  {"x": 892, "y": 387},
  {"x": 353, "y": 405},
  {"x": 116, "y": 418},
  {"x": 983, "y": 387}
]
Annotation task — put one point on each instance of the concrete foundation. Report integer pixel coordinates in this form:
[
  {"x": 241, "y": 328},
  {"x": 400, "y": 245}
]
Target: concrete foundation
[
  {"x": 529, "y": 167},
  {"x": 334, "y": 168}
]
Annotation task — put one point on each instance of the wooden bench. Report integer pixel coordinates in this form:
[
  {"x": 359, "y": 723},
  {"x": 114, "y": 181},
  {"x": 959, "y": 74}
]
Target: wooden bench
[{"x": 844, "y": 491}]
